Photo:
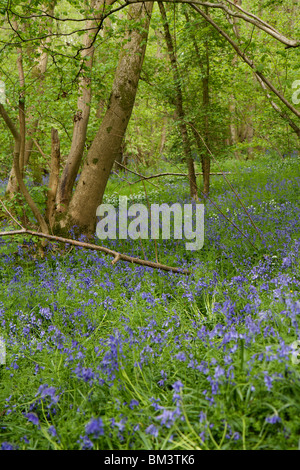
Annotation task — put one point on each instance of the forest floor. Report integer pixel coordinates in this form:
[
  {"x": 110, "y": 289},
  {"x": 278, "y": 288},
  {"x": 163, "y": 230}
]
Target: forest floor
[{"x": 102, "y": 356}]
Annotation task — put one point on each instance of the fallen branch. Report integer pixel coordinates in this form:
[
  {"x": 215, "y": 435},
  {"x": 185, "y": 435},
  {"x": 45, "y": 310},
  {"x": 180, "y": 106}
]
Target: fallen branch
[{"x": 89, "y": 246}]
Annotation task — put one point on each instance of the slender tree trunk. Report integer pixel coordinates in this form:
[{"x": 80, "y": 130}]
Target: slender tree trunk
[
  {"x": 205, "y": 156},
  {"x": 163, "y": 135},
  {"x": 38, "y": 71},
  {"x": 15, "y": 132},
  {"x": 12, "y": 185},
  {"x": 108, "y": 140},
  {"x": 22, "y": 122},
  {"x": 206, "y": 103},
  {"x": 53, "y": 179},
  {"x": 120, "y": 157},
  {"x": 179, "y": 106},
  {"x": 233, "y": 125},
  {"x": 81, "y": 119}
]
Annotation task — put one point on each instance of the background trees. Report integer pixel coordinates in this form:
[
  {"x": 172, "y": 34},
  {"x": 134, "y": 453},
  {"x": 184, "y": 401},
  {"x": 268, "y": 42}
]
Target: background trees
[{"x": 100, "y": 74}]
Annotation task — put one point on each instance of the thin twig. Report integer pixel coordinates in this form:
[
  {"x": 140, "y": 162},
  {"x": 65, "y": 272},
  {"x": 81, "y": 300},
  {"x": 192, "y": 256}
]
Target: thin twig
[
  {"x": 133, "y": 172},
  {"x": 13, "y": 218},
  {"x": 175, "y": 174},
  {"x": 39, "y": 148}
]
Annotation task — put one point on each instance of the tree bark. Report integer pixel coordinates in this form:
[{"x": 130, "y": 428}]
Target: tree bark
[
  {"x": 16, "y": 162},
  {"x": 108, "y": 140},
  {"x": 38, "y": 71},
  {"x": 12, "y": 185},
  {"x": 163, "y": 136},
  {"x": 205, "y": 157},
  {"x": 53, "y": 178},
  {"x": 81, "y": 119},
  {"x": 179, "y": 106}
]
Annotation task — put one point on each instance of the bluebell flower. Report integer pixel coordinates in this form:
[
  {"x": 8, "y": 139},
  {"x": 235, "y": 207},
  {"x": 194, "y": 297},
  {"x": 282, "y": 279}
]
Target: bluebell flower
[
  {"x": 167, "y": 418},
  {"x": 180, "y": 356},
  {"x": 7, "y": 446},
  {"x": 86, "y": 443},
  {"x": 152, "y": 430},
  {"x": 52, "y": 431},
  {"x": 219, "y": 372},
  {"x": 177, "y": 386},
  {"x": 273, "y": 419},
  {"x": 154, "y": 403},
  {"x": 268, "y": 380},
  {"x": 133, "y": 403},
  {"x": 33, "y": 418},
  {"x": 95, "y": 427}
]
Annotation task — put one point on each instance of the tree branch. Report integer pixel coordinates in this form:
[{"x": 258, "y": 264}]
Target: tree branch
[
  {"x": 175, "y": 174},
  {"x": 247, "y": 60},
  {"x": 89, "y": 246},
  {"x": 133, "y": 172},
  {"x": 16, "y": 165},
  {"x": 10, "y": 124}
]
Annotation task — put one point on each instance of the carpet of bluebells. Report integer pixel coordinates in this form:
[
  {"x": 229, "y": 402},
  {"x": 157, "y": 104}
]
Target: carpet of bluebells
[{"x": 102, "y": 356}]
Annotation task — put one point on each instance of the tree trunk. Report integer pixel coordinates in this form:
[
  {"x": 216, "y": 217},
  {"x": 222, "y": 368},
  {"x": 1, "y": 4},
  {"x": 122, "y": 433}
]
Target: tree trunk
[
  {"x": 233, "y": 126},
  {"x": 205, "y": 156},
  {"x": 163, "y": 136},
  {"x": 12, "y": 185},
  {"x": 179, "y": 106},
  {"x": 16, "y": 162},
  {"x": 81, "y": 119},
  {"x": 38, "y": 71},
  {"x": 119, "y": 158},
  {"x": 53, "y": 178},
  {"x": 108, "y": 140}
]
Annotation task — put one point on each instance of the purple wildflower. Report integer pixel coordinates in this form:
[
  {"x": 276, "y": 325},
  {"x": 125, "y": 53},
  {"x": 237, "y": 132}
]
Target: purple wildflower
[
  {"x": 7, "y": 446},
  {"x": 167, "y": 418},
  {"x": 86, "y": 443},
  {"x": 177, "y": 386},
  {"x": 180, "y": 356},
  {"x": 33, "y": 418},
  {"x": 152, "y": 430},
  {"x": 219, "y": 372},
  {"x": 273, "y": 419},
  {"x": 52, "y": 431},
  {"x": 268, "y": 380},
  {"x": 95, "y": 427},
  {"x": 133, "y": 403}
]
